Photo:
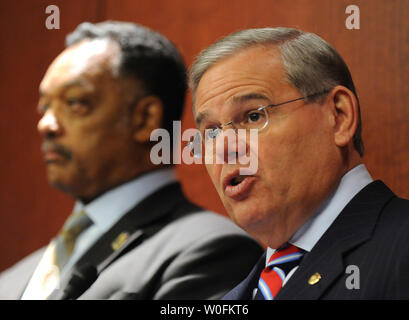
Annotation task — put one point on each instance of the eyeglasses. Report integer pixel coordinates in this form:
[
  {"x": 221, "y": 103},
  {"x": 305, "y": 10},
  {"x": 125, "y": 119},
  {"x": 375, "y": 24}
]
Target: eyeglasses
[{"x": 255, "y": 118}]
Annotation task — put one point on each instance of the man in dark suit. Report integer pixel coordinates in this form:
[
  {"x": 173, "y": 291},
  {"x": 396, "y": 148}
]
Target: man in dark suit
[
  {"x": 132, "y": 233},
  {"x": 331, "y": 231}
]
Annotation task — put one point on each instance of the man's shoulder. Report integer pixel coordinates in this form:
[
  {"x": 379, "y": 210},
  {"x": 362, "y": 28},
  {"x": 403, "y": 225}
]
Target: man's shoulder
[
  {"x": 390, "y": 236},
  {"x": 399, "y": 206},
  {"x": 394, "y": 218},
  {"x": 377, "y": 197},
  {"x": 204, "y": 225},
  {"x": 194, "y": 221},
  {"x": 382, "y": 207},
  {"x": 194, "y": 246},
  {"x": 30, "y": 260},
  {"x": 14, "y": 279}
]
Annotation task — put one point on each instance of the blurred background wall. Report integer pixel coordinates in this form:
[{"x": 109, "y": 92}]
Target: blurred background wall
[{"x": 377, "y": 54}]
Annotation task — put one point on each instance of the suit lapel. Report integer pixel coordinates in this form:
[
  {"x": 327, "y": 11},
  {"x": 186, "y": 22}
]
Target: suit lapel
[
  {"x": 244, "y": 290},
  {"x": 133, "y": 228},
  {"x": 353, "y": 226}
]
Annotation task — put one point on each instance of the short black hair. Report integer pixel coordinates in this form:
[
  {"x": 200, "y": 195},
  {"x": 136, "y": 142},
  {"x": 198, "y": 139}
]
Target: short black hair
[{"x": 149, "y": 57}]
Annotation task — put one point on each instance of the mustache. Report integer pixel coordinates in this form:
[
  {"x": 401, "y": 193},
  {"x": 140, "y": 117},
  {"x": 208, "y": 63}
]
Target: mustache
[{"x": 48, "y": 145}]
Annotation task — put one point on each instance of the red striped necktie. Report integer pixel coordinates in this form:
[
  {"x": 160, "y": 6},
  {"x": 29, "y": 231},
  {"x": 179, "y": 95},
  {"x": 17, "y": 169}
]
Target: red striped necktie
[{"x": 281, "y": 263}]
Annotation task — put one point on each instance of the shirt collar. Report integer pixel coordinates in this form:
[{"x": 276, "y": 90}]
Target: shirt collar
[
  {"x": 308, "y": 235},
  {"x": 107, "y": 209}
]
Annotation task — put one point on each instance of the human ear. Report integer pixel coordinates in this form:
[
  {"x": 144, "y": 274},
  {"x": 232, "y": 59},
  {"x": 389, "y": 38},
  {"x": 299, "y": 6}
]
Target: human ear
[
  {"x": 147, "y": 116},
  {"x": 346, "y": 115}
]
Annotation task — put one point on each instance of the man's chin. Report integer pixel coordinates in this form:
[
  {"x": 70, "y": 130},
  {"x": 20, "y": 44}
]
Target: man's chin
[
  {"x": 250, "y": 214},
  {"x": 58, "y": 179},
  {"x": 63, "y": 187},
  {"x": 245, "y": 215}
]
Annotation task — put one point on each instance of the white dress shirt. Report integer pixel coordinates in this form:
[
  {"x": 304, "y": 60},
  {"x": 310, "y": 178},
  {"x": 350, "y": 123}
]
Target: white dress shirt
[
  {"x": 308, "y": 235},
  {"x": 104, "y": 212}
]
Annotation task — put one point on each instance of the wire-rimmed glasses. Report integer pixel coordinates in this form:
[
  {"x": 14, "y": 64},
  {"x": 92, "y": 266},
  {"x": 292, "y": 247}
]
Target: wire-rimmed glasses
[{"x": 252, "y": 118}]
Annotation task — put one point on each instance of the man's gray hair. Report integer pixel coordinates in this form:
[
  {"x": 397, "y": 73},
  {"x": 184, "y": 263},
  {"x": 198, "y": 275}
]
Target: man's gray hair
[{"x": 311, "y": 64}]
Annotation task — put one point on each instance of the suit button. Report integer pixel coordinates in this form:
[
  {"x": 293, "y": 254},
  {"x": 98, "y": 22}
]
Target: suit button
[{"x": 314, "y": 279}]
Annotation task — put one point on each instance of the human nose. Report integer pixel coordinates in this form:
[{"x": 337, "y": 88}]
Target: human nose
[
  {"x": 49, "y": 124},
  {"x": 230, "y": 146}
]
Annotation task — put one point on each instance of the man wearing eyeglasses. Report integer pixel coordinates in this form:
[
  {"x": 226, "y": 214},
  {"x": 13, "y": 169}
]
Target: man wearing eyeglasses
[{"x": 331, "y": 231}]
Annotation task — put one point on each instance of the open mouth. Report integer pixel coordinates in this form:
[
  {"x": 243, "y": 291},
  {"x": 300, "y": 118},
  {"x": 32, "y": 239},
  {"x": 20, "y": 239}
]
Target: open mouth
[
  {"x": 237, "y": 186},
  {"x": 237, "y": 180}
]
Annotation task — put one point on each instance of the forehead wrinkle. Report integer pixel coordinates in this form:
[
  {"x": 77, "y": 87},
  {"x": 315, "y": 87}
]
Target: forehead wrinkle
[
  {"x": 240, "y": 99},
  {"x": 233, "y": 103},
  {"x": 244, "y": 67},
  {"x": 232, "y": 100},
  {"x": 221, "y": 83},
  {"x": 231, "y": 93}
]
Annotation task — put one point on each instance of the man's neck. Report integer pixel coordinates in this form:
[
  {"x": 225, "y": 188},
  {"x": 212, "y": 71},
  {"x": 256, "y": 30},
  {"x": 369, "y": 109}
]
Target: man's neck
[{"x": 118, "y": 182}]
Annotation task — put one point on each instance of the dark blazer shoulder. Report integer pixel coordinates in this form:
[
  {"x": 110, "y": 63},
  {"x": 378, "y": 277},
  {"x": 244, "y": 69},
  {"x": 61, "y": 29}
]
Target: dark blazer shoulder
[
  {"x": 368, "y": 236},
  {"x": 370, "y": 233}
]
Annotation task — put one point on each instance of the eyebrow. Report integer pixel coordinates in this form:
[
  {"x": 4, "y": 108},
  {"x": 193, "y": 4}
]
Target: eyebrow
[
  {"x": 74, "y": 83},
  {"x": 235, "y": 100},
  {"x": 250, "y": 96},
  {"x": 200, "y": 117}
]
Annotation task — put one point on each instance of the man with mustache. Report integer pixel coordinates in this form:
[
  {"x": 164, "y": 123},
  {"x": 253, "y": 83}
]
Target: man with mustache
[
  {"x": 331, "y": 231},
  {"x": 132, "y": 233}
]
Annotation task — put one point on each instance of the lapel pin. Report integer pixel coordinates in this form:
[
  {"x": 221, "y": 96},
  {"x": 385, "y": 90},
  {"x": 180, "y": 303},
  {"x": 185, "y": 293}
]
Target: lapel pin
[
  {"x": 119, "y": 240},
  {"x": 316, "y": 277}
]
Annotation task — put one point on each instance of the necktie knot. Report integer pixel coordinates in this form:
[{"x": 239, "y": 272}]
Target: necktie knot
[
  {"x": 65, "y": 241},
  {"x": 285, "y": 256},
  {"x": 280, "y": 264},
  {"x": 74, "y": 225}
]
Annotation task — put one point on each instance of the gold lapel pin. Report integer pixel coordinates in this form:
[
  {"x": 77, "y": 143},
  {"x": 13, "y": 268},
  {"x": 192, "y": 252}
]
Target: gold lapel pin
[
  {"x": 119, "y": 240},
  {"x": 316, "y": 277}
]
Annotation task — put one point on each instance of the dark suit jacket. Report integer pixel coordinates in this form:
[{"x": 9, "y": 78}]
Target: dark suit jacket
[
  {"x": 371, "y": 235},
  {"x": 174, "y": 250}
]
